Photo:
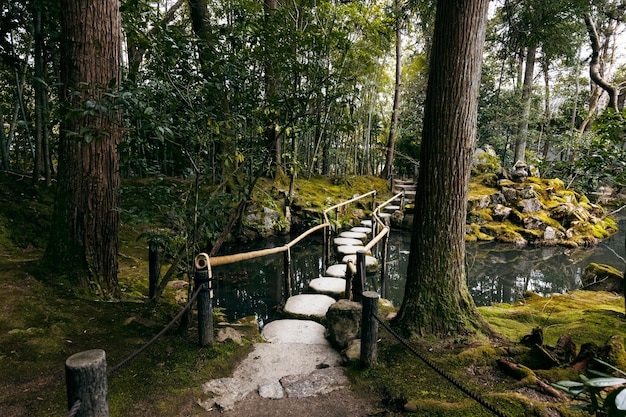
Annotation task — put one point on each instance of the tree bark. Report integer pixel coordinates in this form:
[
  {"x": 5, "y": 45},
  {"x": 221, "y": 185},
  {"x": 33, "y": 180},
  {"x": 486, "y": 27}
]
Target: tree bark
[
  {"x": 86, "y": 223},
  {"x": 529, "y": 73},
  {"x": 595, "y": 66},
  {"x": 393, "y": 128},
  {"x": 437, "y": 300}
]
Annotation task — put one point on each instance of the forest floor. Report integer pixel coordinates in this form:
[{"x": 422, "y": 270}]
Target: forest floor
[{"x": 44, "y": 321}]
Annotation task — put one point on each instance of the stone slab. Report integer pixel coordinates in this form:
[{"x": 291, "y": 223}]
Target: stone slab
[
  {"x": 328, "y": 285},
  {"x": 337, "y": 271},
  {"x": 367, "y": 223},
  {"x": 308, "y": 305},
  {"x": 341, "y": 241},
  {"x": 306, "y": 332},
  {"x": 370, "y": 261},
  {"x": 362, "y": 229},
  {"x": 353, "y": 235}
]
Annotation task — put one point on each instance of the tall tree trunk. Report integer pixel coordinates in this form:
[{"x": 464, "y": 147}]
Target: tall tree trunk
[
  {"x": 393, "y": 128},
  {"x": 40, "y": 91},
  {"x": 595, "y": 68},
  {"x": 437, "y": 300},
  {"x": 547, "y": 113},
  {"x": 4, "y": 143},
  {"x": 272, "y": 138},
  {"x": 529, "y": 73},
  {"x": 85, "y": 224}
]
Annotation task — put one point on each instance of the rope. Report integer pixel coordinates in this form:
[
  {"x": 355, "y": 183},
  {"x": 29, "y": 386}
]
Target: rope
[
  {"x": 74, "y": 410},
  {"x": 441, "y": 372},
  {"x": 161, "y": 333}
]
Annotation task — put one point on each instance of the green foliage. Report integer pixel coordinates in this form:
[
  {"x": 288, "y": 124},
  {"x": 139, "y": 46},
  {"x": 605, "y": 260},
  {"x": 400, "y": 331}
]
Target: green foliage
[{"x": 601, "y": 393}]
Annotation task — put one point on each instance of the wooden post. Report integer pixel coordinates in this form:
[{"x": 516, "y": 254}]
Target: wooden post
[
  {"x": 153, "y": 269},
  {"x": 384, "y": 267},
  {"x": 86, "y": 380},
  {"x": 326, "y": 256},
  {"x": 349, "y": 278},
  {"x": 369, "y": 329},
  {"x": 203, "y": 280},
  {"x": 359, "y": 278},
  {"x": 287, "y": 272},
  {"x": 373, "y": 202}
]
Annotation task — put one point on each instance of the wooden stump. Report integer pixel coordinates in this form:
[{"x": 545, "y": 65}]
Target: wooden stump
[{"x": 86, "y": 379}]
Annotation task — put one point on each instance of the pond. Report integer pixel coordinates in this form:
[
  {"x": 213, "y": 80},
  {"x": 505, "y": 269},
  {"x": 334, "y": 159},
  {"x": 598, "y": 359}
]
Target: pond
[{"x": 496, "y": 272}]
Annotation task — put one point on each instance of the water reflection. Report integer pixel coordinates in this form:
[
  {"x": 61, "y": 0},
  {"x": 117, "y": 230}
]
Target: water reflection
[{"x": 496, "y": 272}]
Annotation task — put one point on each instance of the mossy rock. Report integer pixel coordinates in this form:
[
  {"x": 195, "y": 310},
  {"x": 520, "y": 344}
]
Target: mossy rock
[{"x": 600, "y": 277}]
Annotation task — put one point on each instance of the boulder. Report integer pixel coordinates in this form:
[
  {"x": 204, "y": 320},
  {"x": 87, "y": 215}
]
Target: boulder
[
  {"x": 599, "y": 277},
  {"x": 343, "y": 321}
]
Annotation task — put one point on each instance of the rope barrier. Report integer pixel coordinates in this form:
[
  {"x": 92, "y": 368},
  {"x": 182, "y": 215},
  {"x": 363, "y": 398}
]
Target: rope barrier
[
  {"x": 74, "y": 410},
  {"x": 156, "y": 337},
  {"x": 441, "y": 372}
]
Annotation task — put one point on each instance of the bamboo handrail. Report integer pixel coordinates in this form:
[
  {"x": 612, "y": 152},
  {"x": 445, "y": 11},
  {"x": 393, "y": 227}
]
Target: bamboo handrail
[{"x": 352, "y": 200}]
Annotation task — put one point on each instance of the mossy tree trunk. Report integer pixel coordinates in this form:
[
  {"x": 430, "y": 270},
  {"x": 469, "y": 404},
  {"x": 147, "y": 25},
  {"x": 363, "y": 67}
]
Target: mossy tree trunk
[
  {"x": 84, "y": 238},
  {"x": 437, "y": 300}
]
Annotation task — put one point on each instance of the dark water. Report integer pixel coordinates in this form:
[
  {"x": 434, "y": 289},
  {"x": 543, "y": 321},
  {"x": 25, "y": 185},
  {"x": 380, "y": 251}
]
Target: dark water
[{"x": 496, "y": 272}]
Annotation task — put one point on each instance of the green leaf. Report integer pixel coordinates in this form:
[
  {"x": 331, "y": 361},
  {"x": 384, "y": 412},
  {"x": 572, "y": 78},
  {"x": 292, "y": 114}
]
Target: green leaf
[
  {"x": 605, "y": 382},
  {"x": 620, "y": 400}
]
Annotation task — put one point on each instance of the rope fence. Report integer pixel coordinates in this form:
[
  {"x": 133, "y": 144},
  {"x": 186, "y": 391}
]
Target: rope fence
[
  {"x": 473, "y": 395},
  {"x": 86, "y": 376}
]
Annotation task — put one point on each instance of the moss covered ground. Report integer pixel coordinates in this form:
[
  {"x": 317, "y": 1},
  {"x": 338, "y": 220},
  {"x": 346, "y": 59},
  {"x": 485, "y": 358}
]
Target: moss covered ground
[{"x": 42, "y": 322}]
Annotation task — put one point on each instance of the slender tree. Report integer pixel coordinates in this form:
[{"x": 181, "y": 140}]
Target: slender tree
[
  {"x": 393, "y": 127},
  {"x": 437, "y": 300},
  {"x": 84, "y": 238}
]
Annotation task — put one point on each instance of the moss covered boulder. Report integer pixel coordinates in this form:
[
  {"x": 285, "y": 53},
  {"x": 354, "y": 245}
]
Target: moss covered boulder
[{"x": 600, "y": 277}]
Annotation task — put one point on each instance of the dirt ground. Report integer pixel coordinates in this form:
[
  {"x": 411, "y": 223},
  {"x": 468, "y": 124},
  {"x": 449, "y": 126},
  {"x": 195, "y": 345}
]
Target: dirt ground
[{"x": 339, "y": 403}]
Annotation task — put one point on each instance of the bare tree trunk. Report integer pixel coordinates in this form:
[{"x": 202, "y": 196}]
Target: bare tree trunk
[
  {"x": 437, "y": 300},
  {"x": 522, "y": 136},
  {"x": 393, "y": 128},
  {"x": 595, "y": 71},
  {"x": 86, "y": 222}
]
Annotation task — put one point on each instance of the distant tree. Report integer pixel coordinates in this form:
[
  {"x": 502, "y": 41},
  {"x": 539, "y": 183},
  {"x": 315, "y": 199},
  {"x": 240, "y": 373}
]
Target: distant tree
[
  {"x": 437, "y": 300},
  {"x": 84, "y": 238}
]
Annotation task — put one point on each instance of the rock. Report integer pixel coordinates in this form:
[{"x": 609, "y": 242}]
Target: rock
[
  {"x": 334, "y": 287},
  {"x": 498, "y": 198},
  {"x": 306, "y": 332},
  {"x": 312, "y": 306},
  {"x": 519, "y": 172},
  {"x": 343, "y": 321},
  {"x": 320, "y": 381},
  {"x": 549, "y": 233},
  {"x": 510, "y": 194},
  {"x": 533, "y": 223},
  {"x": 500, "y": 212},
  {"x": 565, "y": 349},
  {"x": 272, "y": 391},
  {"x": 600, "y": 277},
  {"x": 228, "y": 333},
  {"x": 352, "y": 354},
  {"x": 530, "y": 205},
  {"x": 478, "y": 202},
  {"x": 528, "y": 192}
]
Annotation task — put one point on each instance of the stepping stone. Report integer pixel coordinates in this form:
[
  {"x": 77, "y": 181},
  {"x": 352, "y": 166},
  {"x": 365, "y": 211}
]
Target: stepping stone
[
  {"x": 366, "y": 230},
  {"x": 353, "y": 235},
  {"x": 391, "y": 208},
  {"x": 384, "y": 215},
  {"x": 370, "y": 261},
  {"x": 347, "y": 241},
  {"x": 337, "y": 271},
  {"x": 335, "y": 287},
  {"x": 349, "y": 249},
  {"x": 312, "y": 306},
  {"x": 366, "y": 223},
  {"x": 294, "y": 331}
]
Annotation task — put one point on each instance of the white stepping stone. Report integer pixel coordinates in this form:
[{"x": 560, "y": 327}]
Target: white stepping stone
[
  {"x": 308, "y": 305},
  {"x": 347, "y": 241},
  {"x": 349, "y": 249},
  {"x": 337, "y": 271},
  {"x": 328, "y": 285},
  {"x": 353, "y": 235},
  {"x": 370, "y": 261},
  {"x": 391, "y": 208},
  {"x": 366, "y": 223},
  {"x": 294, "y": 331},
  {"x": 384, "y": 215},
  {"x": 366, "y": 230}
]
